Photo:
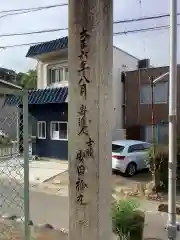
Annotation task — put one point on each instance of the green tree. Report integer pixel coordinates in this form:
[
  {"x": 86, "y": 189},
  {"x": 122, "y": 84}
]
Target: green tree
[
  {"x": 19, "y": 77},
  {"x": 27, "y": 80}
]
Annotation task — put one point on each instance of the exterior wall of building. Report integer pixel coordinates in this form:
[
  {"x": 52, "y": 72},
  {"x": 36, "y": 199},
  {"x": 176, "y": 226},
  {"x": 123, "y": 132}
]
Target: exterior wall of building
[
  {"x": 138, "y": 116},
  {"x": 122, "y": 61},
  {"x": 42, "y": 68},
  {"x": 47, "y": 148},
  {"x": 41, "y": 81}
]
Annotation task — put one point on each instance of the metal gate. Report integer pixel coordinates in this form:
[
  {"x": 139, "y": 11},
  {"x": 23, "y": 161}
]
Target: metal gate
[{"x": 14, "y": 162}]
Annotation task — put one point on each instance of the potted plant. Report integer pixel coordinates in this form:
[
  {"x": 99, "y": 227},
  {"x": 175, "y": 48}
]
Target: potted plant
[{"x": 128, "y": 220}]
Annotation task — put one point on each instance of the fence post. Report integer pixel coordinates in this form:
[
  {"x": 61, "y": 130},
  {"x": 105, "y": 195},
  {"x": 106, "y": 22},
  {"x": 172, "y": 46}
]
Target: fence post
[
  {"x": 18, "y": 128},
  {"x": 21, "y": 126},
  {"x": 26, "y": 165}
]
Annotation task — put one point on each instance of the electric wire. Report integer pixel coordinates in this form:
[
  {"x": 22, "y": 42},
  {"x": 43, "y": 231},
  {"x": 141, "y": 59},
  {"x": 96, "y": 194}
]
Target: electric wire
[
  {"x": 27, "y": 10},
  {"x": 65, "y": 29},
  {"x": 115, "y": 34},
  {"x": 34, "y": 8},
  {"x": 143, "y": 18},
  {"x": 12, "y": 12}
]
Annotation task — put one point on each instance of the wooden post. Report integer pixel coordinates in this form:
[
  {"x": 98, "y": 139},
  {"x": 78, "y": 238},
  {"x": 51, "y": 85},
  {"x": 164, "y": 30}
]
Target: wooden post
[{"x": 90, "y": 53}]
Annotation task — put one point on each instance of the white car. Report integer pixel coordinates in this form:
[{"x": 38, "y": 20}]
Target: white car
[{"x": 128, "y": 156}]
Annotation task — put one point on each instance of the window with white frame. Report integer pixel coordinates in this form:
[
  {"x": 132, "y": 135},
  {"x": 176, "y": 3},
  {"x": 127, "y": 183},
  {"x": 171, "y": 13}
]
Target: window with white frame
[
  {"x": 41, "y": 130},
  {"x": 160, "y": 93},
  {"x": 58, "y": 130},
  {"x": 57, "y": 73}
]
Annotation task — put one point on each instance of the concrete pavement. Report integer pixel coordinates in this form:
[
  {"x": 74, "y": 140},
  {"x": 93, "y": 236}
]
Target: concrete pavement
[
  {"x": 53, "y": 209},
  {"x": 44, "y": 208},
  {"x": 39, "y": 171}
]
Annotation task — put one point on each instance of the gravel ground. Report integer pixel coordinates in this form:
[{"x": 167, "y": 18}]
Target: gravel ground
[{"x": 118, "y": 180}]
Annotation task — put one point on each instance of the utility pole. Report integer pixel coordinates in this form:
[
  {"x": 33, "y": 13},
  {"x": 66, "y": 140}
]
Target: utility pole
[
  {"x": 153, "y": 128},
  {"x": 152, "y": 113},
  {"x": 172, "y": 228}
]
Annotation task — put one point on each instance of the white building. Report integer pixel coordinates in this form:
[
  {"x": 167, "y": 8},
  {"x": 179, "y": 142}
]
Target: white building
[{"x": 52, "y": 70}]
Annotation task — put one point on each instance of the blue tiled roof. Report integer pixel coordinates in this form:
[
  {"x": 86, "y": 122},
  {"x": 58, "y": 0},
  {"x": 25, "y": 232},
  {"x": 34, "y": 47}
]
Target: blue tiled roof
[
  {"x": 46, "y": 47},
  {"x": 41, "y": 96}
]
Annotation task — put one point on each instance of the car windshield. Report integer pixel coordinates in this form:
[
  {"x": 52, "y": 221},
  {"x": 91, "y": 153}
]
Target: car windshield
[{"x": 117, "y": 148}]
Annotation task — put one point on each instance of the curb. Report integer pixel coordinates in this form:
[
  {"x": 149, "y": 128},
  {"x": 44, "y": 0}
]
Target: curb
[{"x": 48, "y": 179}]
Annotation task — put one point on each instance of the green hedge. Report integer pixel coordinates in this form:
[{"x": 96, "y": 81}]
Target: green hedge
[{"x": 127, "y": 220}]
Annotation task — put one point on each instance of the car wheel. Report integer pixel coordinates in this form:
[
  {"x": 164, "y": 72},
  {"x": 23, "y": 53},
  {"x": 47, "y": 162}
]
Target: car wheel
[{"x": 131, "y": 169}]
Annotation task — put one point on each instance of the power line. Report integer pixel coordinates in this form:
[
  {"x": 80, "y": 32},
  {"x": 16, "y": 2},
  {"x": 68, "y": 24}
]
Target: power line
[
  {"x": 34, "y": 8},
  {"x": 61, "y": 5},
  {"x": 20, "y": 45},
  {"x": 115, "y": 34},
  {"x": 29, "y": 10},
  {"x": 66, "y": 4},
  {"x": 19, "y": 11},
  {"x": 143, "y": 18},
  {"x": 65, "y": 29},
  {"x": 143, "y": 30},
  {"x": 34, "y": 32}
]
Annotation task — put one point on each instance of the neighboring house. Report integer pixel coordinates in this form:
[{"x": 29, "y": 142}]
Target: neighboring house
[
  {"x": 122, "y": 61},
  {"x": 8, "y": 114},
  {"x": 8, "y": 118},
  {"x": 52, "y": 69},
  {"x": 7, "y": 75},
  {"x": 49, "y": 104},
  {"x": 138, "y": 121}
]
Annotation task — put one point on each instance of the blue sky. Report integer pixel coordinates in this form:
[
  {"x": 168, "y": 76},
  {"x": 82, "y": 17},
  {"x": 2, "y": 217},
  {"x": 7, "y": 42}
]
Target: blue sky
[{"x": 153, "y": 44}]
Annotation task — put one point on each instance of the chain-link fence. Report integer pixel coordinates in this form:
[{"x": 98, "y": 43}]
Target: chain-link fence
[{"x": 14, "y": 185}]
